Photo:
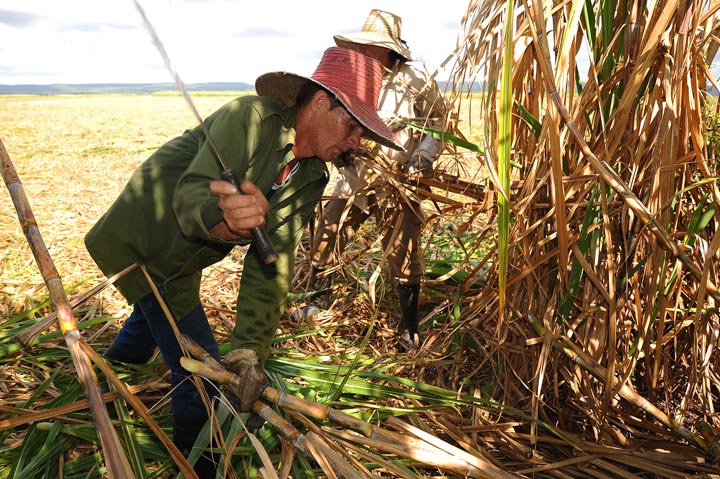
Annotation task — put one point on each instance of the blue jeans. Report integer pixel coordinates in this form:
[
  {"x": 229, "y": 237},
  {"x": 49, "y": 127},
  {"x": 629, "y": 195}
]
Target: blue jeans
[{"x": 146, "y": 328}]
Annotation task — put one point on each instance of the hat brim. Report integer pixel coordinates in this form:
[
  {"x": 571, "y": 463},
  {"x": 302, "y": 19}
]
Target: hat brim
[
  {"x": 286, "y": 86},
  {"x": 351, "y": 41}
]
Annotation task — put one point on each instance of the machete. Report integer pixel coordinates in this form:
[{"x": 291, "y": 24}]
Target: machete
[{"x": 260, "y": 236}]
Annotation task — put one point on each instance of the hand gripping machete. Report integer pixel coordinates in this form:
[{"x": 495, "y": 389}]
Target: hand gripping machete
[{"x": 260, "y": 236}]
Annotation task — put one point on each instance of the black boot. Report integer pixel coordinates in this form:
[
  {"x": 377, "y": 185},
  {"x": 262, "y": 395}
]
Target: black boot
[
  {"x": 409, "y": 302},
  {"x": 114, "y": 353},
  {"x": 321, "y": 300},
  {"x": 184, "y": 437}
]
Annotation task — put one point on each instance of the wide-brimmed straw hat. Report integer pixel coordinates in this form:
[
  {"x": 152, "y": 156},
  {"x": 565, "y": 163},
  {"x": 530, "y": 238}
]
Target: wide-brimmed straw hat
[
  {"x": 353, "y": 78},
  {"x": 381, "y": 29}
]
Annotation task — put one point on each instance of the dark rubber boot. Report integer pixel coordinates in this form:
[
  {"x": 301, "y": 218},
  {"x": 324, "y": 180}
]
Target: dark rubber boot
[
  {"x": 184, "y": 438},
  {"x": 321, "y": 300},
  {"x": 114, "y": 353},
  {"x": 409, "y": 304}
]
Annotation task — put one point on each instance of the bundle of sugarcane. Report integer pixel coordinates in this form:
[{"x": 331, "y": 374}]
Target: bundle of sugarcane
[{"x": 336, "y": 448}]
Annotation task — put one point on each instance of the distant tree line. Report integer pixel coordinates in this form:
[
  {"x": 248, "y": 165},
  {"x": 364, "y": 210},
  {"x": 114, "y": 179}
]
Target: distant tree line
[{"x": 144, "y": 88}]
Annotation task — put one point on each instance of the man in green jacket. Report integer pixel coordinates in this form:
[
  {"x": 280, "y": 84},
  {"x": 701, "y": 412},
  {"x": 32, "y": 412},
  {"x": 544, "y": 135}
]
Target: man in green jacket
[{"x": 174, "y": 217}]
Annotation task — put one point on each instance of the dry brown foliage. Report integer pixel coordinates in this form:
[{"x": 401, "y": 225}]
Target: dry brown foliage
[{"x": 610, "y": 326}]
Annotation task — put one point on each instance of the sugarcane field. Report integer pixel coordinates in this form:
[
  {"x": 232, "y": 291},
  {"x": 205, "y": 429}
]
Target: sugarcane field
[{"x": 566, "y": 315}]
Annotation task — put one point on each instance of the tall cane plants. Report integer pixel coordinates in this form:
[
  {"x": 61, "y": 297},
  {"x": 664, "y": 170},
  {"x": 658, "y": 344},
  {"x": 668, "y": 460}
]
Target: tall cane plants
[{"x": 610, "y": 240}]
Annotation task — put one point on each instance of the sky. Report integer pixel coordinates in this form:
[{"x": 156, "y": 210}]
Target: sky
[{"x": 104, "y": 41}]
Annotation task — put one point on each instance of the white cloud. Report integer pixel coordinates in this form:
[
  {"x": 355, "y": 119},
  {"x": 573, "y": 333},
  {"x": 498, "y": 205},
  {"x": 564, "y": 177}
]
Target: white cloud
[{"x": 90, "y": 41}]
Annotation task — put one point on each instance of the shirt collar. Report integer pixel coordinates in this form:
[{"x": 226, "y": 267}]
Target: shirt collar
[{"x": 286, "y": 138}]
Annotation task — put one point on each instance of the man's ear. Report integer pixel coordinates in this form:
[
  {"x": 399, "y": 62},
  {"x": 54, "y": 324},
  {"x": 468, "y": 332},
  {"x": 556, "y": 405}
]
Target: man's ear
[{"x": 320, "y": 101}]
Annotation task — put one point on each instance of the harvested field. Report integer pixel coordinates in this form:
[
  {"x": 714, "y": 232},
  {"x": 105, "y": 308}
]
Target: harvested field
[{"x": 73, "y": 155}]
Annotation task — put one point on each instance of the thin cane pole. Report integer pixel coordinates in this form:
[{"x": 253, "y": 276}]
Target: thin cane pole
[{"x": 118, "y": 465}]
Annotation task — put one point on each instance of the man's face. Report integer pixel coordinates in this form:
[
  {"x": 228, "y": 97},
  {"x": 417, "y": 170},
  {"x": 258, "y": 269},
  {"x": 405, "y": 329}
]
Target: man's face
[
  {"x": 336, "y": 132},
  {"x": 380, "y": 54}
]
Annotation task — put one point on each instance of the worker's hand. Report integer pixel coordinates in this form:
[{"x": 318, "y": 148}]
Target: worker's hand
[
  {"x": 420, "y": 163},
  {"x": 241, "y": 213},
  {"x": 249, "y": 382}
]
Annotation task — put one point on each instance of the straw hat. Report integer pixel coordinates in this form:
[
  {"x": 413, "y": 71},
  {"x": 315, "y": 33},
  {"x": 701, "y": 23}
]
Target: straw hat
[
  {"x": 381, "y": 29},
  {"x": 353, "y": 78}
]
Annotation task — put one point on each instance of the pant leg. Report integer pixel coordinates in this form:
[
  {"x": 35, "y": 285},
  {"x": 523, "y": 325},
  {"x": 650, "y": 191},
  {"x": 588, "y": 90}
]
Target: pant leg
[
  {"x": 404, "y": 259},
  {"x": 134, "y": 342},
  {"x": 189, "y": 412},
  {"x": 186, "y": 400}
]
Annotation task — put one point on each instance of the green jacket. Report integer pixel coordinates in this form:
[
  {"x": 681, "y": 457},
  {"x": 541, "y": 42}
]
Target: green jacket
[{"x": 162, "y": 217}]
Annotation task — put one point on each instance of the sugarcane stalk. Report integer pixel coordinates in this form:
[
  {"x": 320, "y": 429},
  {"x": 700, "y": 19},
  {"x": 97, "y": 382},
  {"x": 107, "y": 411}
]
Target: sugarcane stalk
[
  {"x": 214, "y": 371},
  {"x": 208, "y": 367},
  {"x": 423, "y": 449},
  {"x": 117, "y": 463},
  {"x": 330, "y": 461},
  {"x": 217, "y": 373},
  {"x": 625, "y": 391},
  {"x": 478, "y": 462},
  {"x": 141, "y": 410},
  {"x": 709, "y": 435},
  {"x": 326, "y": 413},
  {"x": 393, "y": 469},
  {"x": 397, "y": 443},
  {"x": 199, "y": 353},
  {"x": 435, "y": 458},
  {"x": 314, "y": 428},
  {"x": 454, "y": 184}
]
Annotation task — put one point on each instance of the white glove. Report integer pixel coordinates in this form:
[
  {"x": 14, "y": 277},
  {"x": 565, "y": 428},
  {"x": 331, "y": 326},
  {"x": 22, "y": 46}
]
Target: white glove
[{"x": 420, "y": 163}]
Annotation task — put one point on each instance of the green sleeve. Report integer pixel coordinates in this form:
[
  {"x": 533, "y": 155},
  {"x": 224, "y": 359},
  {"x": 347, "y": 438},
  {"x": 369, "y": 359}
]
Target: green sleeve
[
  {"x": 264, "y": 288},
  {"x": 235, "y": 130},
  {"x": 261, "y": 300}
]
